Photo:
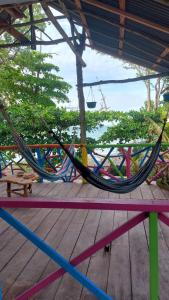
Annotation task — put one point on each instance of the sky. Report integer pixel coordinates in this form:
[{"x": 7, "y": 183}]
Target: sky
[{"x": 123, "y": 97}]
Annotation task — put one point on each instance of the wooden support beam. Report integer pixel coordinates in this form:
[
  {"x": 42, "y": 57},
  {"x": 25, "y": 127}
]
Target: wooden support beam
[
  {"x": 67, "y": 15},
  {"x": 128, "y": 80},
  {"x": 81, "y": 99},
  {"x": 61, "y": 31},
  {"x": 12, "y": 31},
  {"x": 122, "y": 6},
  {"x": 13, "y": 3},
  {"x": 36, "y": 21},
  {"x": 142, "y": 34},
  {"x": 127, "y": 15},
  {"x": 131, "y": 58},
  {"x": 28, "y": 43},
  {"x": 161, "y": 57},
  {"x": 140, "y": 49},
  {"x": 83, "y": 20},
  {"x": 145, "y": 36},
  {"x": 15, "y": 12},
  {"x": 164, "y": 2},
  {"x": 44, "y": 33},
  {"x": 33, "y": 34}
]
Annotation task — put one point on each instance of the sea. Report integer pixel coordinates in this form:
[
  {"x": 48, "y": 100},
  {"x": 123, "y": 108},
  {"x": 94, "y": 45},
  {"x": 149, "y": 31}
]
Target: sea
[{"x": 97, "y": 133}]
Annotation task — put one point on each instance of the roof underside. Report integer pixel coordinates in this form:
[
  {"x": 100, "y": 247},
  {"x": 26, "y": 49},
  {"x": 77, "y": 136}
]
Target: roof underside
[{"x": 134, "y": 30}]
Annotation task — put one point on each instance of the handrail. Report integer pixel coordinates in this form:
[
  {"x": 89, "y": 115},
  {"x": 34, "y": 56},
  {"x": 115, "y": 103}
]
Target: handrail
[
  {"x": 37, "y": 146},
  {"x": 124, "y": 145},
  {"x": 126, "y": 154},
  {"x": 40, "y": 146},
  {"x": 151, "y": 209}
]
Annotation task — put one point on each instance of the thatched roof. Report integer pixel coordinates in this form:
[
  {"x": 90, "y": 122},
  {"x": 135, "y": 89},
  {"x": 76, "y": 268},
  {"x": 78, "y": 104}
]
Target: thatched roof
[{"x": 134, "y": 30}]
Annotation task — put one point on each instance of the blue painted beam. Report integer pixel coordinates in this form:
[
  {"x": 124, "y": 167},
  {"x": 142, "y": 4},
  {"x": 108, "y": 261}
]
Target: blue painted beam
[{"x": 54, "y": 255}]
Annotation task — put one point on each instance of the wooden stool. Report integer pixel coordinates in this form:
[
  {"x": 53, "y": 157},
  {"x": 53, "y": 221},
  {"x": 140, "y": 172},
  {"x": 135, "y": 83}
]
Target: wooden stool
[{"x": 26, "y": 185}]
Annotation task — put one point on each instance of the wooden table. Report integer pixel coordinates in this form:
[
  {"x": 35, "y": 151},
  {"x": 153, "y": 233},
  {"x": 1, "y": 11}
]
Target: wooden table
[{"x": 26, "y": 185}]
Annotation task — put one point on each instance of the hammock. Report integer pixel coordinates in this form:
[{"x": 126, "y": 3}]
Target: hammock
[
  {"x": 62, "y": 173},
  {"x": 125, "y": 186}
]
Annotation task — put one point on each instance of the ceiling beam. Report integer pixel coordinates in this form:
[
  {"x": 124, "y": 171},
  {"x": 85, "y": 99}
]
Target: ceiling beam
[
  {"x": 15, "y": 12},
  {"x": 131, "y": 58},
  {"x": 140, "y": 49},
  {"x": 12, "y": 31},
  {"x": 33, "y": 33},
  {"x": 161, "y": 57},
  {"x": 128, "y": 80},
  {"x": 142, "y": 34},
  {"x": 83, "y": 20},
  {"x": 28, "y": 43},
  {"x": 61, "y": 31},
  {"x": 164, "y": 2},
  {"x": 14, "y": 2},
  {"x": 122, "y": 6},
  {"x": 127, "y": 15},
  {"x": 38, "y": 21},
  {"x": 67, "y": 15}
]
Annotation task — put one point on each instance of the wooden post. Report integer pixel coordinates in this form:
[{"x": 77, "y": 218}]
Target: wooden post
[
  {"x": 33, "y": 34},
  {"x": 0, "y": 175},
  {"x": 153, "y": 253},
  {"x": 79, "y": 71}
]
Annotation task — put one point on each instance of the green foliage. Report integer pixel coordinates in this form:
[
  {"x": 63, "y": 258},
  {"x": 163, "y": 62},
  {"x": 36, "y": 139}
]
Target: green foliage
[
  {"x": 131, "y": 127},
  {"x": 29, "y": 78},
  {"x": 126, "y": 127},
  {"x": 28, "y": 121}
]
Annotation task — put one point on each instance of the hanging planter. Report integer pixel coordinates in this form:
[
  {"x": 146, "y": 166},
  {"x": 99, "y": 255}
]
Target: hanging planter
[
  {"x": 166, "y": 97},
  {"x": 91, "y": 104}
]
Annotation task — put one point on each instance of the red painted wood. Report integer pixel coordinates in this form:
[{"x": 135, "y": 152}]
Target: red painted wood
[
  {"x": 164, "y": 219},
  {"x": 87, "y": 203},
  {"x": 38, "y": 146},
  {"x": 127, "y": 156},
  {"x": 103, "y": 172},
  {"x": 84, "y": 255},
  {"x": 128, "y": 162}
]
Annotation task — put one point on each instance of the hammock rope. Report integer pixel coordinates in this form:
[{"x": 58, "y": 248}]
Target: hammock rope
[
  {"x": 27, "y": 154},
  {"x": 124, "y": 186}
]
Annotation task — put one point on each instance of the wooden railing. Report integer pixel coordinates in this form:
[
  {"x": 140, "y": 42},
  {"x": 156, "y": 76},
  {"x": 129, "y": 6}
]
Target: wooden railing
[
  {"x": 120, "y": 160},
  {"x": 151, "y": 209}
]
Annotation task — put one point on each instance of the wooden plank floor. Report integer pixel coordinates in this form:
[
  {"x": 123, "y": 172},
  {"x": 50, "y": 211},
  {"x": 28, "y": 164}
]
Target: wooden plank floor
[{"x": 123, "y": 272}]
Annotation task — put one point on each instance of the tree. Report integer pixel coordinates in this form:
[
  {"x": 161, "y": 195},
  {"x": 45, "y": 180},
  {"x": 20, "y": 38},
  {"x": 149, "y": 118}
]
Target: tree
[
  {"x": 30, "y": 78},
  {"x": 28, "y": 120},
  {"x": 132, "y": 126},
  {"x": 157, "y": 86}
]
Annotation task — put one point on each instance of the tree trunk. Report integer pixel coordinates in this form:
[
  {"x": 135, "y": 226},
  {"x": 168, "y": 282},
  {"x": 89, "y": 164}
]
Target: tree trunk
[
  {"x": 157, "y": 93},
  {"x": 148, "y": 95},
  {"x": 79, "y": 70}
]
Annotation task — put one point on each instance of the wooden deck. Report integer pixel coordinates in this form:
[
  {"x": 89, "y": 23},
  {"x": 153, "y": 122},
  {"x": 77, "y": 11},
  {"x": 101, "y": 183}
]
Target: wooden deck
[{"x": 123, "y": 273}]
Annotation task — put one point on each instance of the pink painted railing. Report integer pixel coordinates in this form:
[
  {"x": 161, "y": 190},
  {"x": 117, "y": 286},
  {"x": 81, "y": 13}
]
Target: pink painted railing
[
  {"x": 152, "y": 209},
  {"x": 120, "y": 162}
]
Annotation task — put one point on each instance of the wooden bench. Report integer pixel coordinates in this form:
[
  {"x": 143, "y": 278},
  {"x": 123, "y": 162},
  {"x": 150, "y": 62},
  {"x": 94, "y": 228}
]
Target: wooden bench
[{"x": 26, "y": 185}]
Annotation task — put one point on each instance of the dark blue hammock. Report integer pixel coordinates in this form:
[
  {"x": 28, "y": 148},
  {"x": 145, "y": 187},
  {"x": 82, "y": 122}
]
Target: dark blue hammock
[{"x": 125, "y": 186}]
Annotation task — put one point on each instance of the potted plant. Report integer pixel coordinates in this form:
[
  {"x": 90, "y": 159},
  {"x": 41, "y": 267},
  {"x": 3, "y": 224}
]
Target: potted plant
[
  {"x": 91, "y": 104},
  {"x": 166, "y": 97}
]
